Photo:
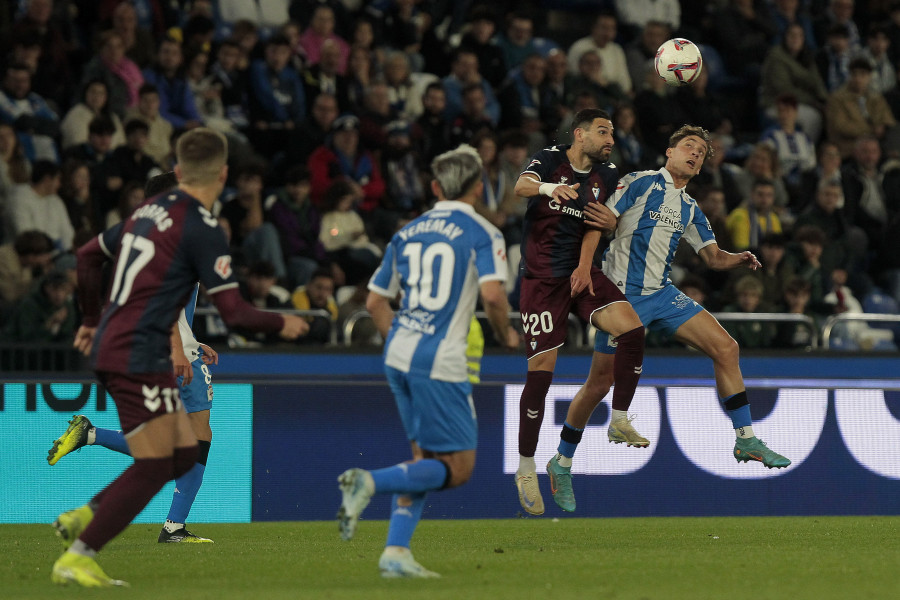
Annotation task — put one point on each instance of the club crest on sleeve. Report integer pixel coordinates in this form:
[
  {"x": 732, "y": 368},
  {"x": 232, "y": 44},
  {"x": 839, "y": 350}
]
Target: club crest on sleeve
[{"x": 223, "y": 266}]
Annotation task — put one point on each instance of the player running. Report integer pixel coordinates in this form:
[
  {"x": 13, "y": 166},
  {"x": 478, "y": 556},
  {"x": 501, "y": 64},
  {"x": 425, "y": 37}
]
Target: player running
[
  {"x": 439, "y": 262},
  {"x": 189, "y": 357},
  {"x": 170, "y": 242},
  {"x": 559, "y": 277},
  {"x": 649, "y": 213}
]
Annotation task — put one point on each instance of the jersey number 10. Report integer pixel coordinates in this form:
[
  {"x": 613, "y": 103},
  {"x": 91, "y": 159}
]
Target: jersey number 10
[{"x": 422, "y": 277}]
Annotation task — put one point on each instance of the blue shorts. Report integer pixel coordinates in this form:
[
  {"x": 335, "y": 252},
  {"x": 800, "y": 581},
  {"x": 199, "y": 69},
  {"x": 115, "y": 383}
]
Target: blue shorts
[
  {"x": 198, "y": 394},
  {"x": 438, "y": 415},
  {"x": 665, "y": 310}
]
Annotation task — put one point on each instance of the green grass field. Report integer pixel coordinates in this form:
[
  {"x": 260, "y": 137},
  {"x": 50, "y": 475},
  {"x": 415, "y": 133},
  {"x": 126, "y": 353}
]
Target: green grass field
[{"x": 667, "y": 559}]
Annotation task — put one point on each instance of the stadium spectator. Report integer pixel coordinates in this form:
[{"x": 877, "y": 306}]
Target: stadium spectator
[
  {"x": 527, "y": 102},
  {"x": 774, "y": 276},
  {"x": 657, "y": 114},
  {"x": 22, "y": 262},
  {"x": 703, "y": 107},
  {"x": 790, "y": 68},
  {"x": 138, "y": 42},
  {"x": 828, "y": 170},
  {"x": 403, "y": 28},
  {"x": 176, "y": 102},
  {"x": 54, "y": 86},
  {"x": 131, "y": 195},
  {"x": 75, "y": 191},
  {"x": 640, "y": 53},
  {"x": 403, "y": 170},
  {"x": 477, "y": 37},
  {"x": 749, "y": 334},
  {"x": 472, "y": 119},
  {"x": 159, "y": 130},
  {"x": 602, "y": 41},
  {"x": 207, "y": 97},
  {"x": 130, "y": 162},
  {"x": 313, "y": 132},
  {"x": 855, "y": 111},
  {"x": 871, "y": 191},
  {"x": 326, "y": 77},
  {"x": 320, "y": 30},
  {"x": 838, "y": 14},
  {"x": 231, "y": 82},
  {"x": 843, "y": 244},
  {"x": 629, "y": 153},
  {"x": 374, "y": 117},
  {"x": 884, "y": 74},
  {"x": 276, "y": 99},
  {"x": 833, "y": 58},
  {"x": 756, "y": 218},
  {"x": 431, "y": 132},
  {"x": 762, "y": 163},
  {"x": 14, "y": 170},
  {"x": 35, "y": 122},
  {"x": 795, "y": 301},
  {"x": 499, "y": 189},
  {"x": 298, "y": 223},
  {"x": 405, "y": 87},
  {"x": 796, "y": 152},
  {"x": 45, "y": 315},
  {"x": 317, "y": 294},
  {"x": 266, "y": 15},
  {"x": 790, "y": 12},
  {"x": 343, "y": 233},
  {"x": 517, "y": 40},
  {"x": 123, "y": 78},
  {"x": 463, "y": 74},
  {"x": 37, "y": 206},
  {"x": 744, "y": 31},
  {"x": 360, "y": 74},
  {"x": 341, "y": 157},
  {"x": 512, "y": 159},
  {"x": 243, "y": 209},
  {"x": 591, "y": 79},
  {"x": 260, "y": 288},
  {"x": 94, "y": 101}
]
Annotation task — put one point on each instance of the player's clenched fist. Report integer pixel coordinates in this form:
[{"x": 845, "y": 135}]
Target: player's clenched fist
[{"x": 294, "y": 327}]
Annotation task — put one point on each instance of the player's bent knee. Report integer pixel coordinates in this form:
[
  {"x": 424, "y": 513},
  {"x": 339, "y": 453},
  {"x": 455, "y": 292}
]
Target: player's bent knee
[{"x": 183, "y": 460}]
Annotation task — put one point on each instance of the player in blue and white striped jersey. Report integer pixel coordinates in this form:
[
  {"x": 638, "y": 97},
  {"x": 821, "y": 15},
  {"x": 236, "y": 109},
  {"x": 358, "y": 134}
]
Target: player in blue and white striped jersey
[
  {"x": 649, "y": 214},
  {"x": 440, "y": 262}
]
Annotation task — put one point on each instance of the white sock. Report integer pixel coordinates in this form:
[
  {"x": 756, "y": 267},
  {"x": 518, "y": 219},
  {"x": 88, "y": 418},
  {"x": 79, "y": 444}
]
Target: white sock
[
  {"x": 745, "y": 432},
  {"x": 526, "y": 465},
  {"x": 564, "y": 461},
  {"x": 79, "y": 547},
  {"x": 91, "y": 436},
  {"x": 396, "y": 551},
  {"x": 172, "y": 526},
  {"x": 619, "y": 415}
]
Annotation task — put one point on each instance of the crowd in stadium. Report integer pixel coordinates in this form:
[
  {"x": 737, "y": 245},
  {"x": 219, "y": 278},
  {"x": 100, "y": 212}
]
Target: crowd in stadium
[{"x": 334, "y": 110}]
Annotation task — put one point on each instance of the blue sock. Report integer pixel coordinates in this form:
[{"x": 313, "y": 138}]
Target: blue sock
[
  {"x": 410, "y": 478},
  {"x": 738, "y": 408},
  {"x": 569, "y": 438},
  {"x": 186, "y": 488},
  {"x": 404, "y": 518},
  {"x": 112, "y": 439}
]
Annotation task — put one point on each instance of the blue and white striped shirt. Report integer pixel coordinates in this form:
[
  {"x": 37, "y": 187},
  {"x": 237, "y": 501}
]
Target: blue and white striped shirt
[{"x": 653, "y": 216}]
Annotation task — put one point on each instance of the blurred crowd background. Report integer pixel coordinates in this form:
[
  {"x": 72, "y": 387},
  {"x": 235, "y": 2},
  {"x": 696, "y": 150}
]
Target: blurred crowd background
[{"x": 334, "y": 109}]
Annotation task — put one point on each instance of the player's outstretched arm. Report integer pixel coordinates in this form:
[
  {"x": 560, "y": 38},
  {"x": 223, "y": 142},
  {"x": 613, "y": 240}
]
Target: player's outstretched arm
[
  {"x": 720, "y": 260},
  {"x": 527, "y": 186},
  {"x": 380, "y": 308},
  {"x": 493, "y": 296},
  {"x": 240, "y": 314}
]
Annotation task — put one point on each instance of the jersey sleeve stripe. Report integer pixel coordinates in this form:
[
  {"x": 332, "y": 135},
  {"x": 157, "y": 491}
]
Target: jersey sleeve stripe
[
  {"x": 532, "y": 173},
  {"x": 380, "y": 290},
  {"x": 222, "y": 288},
  {"x": 492, "y": 277},
  {"x": 104, "y": 248}
]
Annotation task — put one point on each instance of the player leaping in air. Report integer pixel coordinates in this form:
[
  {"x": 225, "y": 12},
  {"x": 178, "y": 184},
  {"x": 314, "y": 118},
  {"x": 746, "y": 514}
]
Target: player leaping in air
[
  {"x": 649, "y": 213},
  {"x": 167, "y": 245},
  {"x": 191, "y": 360}
]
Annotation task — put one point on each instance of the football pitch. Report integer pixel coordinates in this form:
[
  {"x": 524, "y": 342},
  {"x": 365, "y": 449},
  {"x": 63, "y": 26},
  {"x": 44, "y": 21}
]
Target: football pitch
[{"x": 648, "y": 558}]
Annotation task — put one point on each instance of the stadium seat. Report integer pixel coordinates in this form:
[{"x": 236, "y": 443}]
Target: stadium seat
[{"x": 877, "y": 301}]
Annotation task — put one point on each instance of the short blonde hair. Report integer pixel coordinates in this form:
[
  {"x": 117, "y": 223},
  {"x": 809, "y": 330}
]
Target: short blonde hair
[{"x": 201, "y": 153}]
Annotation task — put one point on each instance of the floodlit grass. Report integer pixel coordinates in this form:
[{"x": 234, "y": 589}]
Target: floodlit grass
[{"x": 666, "y": 559}]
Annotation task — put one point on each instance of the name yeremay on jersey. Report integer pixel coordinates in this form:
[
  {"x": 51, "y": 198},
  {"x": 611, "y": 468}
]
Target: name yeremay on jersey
[
  {"x": 439, "y": 262},
  {"x": 653, "y": 217}
]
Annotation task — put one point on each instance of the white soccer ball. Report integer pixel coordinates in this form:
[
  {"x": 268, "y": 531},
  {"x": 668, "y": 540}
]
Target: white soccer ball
[{"x": 678, "y": 61}]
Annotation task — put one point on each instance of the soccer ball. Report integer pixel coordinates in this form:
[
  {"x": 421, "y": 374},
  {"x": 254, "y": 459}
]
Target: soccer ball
[{"x": 678, "y": 61}]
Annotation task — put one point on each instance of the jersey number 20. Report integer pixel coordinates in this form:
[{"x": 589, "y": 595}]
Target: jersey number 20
[
  {"x": 422, "y": 277},
  {"x": 130, "y": 264}
]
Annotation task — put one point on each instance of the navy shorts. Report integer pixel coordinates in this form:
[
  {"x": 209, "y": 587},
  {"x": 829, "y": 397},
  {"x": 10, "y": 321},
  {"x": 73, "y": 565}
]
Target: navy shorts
[
  {"x": 438, "y": 415},
  {"x": 545, "y": 305}
]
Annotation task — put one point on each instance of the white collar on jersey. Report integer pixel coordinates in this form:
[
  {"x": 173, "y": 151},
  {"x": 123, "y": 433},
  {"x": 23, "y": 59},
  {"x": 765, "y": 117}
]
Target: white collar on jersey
[
  {"x": 667, "y": 175},
  {"x": 453, "y": 205}
]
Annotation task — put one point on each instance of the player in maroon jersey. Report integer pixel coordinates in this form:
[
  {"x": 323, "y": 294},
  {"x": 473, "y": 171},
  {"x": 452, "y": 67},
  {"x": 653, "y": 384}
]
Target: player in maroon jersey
[
  {"x": 558, "y": 277},
  {"x": 169, "y": 243}
]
